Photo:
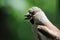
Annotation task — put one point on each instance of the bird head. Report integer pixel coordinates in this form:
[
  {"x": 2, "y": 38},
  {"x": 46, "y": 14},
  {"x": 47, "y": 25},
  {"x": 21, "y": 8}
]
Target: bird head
[
  {"x": 35, "y": 13},
  {"x": 31, "y": 12}
]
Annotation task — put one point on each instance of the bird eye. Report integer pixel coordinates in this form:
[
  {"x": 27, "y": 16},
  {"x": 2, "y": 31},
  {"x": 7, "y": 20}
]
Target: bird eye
[{"x": 31, "y": 12}]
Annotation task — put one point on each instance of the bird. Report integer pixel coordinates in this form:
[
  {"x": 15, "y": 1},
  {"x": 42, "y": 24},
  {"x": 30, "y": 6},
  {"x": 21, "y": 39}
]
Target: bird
[{"x": 39, "y": 21}]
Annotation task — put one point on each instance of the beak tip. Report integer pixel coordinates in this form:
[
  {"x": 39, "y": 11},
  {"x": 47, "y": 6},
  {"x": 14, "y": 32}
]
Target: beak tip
[{"x": 28, "y": 16}]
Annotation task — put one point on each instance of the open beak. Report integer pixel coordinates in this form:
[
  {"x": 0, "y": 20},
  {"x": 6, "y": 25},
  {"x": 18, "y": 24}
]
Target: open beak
[{"x": 28, "y": 16}]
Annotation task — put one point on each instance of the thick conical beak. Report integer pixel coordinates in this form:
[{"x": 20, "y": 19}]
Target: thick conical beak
[{"x": 28, "y": 16}]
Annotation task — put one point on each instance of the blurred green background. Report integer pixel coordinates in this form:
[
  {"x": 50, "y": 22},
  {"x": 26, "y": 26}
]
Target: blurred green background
[{"x": 13, "y": 26}]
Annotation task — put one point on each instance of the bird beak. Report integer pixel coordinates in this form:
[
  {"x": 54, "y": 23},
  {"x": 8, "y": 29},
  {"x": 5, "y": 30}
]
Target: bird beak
[{"x": 28, "y": 16}]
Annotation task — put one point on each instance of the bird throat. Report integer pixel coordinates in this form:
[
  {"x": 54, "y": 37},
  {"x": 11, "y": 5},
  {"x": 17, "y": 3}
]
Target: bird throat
[{"x": 40, "y": 23}]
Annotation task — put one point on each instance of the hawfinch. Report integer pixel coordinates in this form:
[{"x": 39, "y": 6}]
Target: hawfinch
[{"x": 41, "y": 24}]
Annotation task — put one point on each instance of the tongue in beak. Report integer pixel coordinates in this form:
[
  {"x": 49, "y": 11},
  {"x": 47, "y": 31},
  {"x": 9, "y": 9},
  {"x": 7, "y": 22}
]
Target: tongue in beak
[{"x": 28, "y": 16}]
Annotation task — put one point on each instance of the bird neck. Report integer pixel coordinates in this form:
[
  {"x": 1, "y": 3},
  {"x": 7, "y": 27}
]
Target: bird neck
[{"x": 43, "y": 18}]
